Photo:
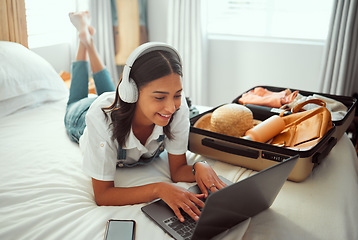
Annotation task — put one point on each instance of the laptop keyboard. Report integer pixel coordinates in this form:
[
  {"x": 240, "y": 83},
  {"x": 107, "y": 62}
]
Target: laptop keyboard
[{"x": 184, "y": 229}]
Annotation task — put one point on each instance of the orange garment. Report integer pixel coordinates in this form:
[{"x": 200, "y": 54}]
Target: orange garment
[{"x": 263, "y": 97}]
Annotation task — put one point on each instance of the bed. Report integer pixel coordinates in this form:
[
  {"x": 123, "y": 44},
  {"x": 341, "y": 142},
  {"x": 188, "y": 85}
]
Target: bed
[{"x": 44, "y": 193}]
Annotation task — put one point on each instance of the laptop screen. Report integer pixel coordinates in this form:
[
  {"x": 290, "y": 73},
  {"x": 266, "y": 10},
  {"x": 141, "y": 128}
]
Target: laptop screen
[{"x": 238, "y": 202}]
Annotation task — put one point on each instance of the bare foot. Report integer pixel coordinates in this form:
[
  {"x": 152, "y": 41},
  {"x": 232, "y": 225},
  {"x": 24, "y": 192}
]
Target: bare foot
[{"x": 81, "y": 21}]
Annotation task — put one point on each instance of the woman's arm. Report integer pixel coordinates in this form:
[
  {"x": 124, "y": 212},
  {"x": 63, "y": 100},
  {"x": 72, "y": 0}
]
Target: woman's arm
[
  {"x": 107, "y": 195},
  {"x": 176, "y": 197},
  {"x": 205, "y": 176},
  {"x": 180, "y": 171}
]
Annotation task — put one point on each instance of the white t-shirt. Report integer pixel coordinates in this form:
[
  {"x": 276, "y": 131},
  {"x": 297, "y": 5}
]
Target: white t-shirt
[{"x": 100, "y": 151}]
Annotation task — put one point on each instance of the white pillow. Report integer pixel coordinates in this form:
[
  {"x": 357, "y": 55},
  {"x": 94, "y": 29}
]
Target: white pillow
[{"x": 26, "y": 79}]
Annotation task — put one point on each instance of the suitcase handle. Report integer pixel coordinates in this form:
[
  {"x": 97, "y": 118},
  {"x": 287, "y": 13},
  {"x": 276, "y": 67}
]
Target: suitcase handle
[
  {"x": 208, "y": 142},
  {"x": 317, "y": 158}
]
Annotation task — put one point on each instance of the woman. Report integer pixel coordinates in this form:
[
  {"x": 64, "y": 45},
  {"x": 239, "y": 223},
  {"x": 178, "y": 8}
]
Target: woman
[{"x": 130, "y": 126}]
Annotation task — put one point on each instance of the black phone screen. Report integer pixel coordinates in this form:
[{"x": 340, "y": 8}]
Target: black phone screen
[{"x": 120, "y": 230}]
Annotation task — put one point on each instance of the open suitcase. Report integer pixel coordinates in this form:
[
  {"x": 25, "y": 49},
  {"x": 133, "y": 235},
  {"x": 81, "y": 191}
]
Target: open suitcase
[{"x": 258, "y": 156}]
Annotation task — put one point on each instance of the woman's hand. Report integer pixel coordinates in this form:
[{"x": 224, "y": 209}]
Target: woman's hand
[
  {"x": 179, "y": 198},
  {"x": 207, "y": 179}
]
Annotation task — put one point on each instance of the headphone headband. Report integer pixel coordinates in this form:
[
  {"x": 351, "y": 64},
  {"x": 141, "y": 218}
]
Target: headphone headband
[
  {"x": 150, "y": 47},
  {"x": 128, "y": 90}
]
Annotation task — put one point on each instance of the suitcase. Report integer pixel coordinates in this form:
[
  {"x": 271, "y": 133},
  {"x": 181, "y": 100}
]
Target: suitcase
[{"x": 258, "y": 156}]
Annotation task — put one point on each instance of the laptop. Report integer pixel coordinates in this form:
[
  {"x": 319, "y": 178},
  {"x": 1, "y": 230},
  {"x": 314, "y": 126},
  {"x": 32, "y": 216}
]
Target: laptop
[{"x": 227, "y": 207}]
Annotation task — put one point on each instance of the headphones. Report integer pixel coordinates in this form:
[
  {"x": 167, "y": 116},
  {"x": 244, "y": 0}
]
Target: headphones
[{"x": 128, "y": 90}]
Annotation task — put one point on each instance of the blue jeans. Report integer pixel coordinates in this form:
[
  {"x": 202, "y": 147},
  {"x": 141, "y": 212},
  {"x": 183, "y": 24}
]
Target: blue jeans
[{"x": 78, "y": 101}]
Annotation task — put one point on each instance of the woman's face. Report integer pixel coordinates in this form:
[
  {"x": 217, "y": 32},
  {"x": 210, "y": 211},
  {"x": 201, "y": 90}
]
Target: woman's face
[{"x": 158, "y": 100}]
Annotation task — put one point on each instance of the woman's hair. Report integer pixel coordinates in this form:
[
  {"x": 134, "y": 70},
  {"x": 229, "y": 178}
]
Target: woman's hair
[{"x": 146, "y": 68}]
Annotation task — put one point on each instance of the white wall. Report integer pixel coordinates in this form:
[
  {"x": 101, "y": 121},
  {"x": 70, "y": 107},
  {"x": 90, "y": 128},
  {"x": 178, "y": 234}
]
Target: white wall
[
  {"x": 236, "y": 65},
  {"x": 59, "y": 56}
]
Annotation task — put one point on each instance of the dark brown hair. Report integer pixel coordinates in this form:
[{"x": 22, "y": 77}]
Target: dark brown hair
[{"x": 147, "y": 68}]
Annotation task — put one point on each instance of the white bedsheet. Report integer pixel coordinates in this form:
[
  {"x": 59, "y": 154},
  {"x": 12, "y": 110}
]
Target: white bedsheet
[{"x": 45, "y": 195}]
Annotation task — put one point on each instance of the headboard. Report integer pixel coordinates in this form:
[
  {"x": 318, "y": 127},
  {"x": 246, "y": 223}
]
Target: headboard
[{"x": 13, "y": 21}]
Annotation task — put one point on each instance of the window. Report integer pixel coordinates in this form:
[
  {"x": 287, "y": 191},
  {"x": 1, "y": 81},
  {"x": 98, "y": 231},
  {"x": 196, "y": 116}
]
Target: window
[
  {"x": 48, "y": 22},
  {"x": 293, "y": 19}
]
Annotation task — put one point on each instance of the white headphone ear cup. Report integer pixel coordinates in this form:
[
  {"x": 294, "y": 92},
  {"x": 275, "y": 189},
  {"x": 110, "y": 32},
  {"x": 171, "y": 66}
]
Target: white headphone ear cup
[{"x": 128, "y": 91}]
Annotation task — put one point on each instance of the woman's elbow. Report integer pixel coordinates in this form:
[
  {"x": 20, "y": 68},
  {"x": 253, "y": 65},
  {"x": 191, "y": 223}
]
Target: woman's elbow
[
  {"x": 175, "y": 179},
  {"x": 100, "y": 201}
]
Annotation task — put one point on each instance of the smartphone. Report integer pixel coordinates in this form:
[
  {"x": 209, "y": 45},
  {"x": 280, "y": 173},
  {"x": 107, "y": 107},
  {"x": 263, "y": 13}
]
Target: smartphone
[{"x": 120, "y": 230}]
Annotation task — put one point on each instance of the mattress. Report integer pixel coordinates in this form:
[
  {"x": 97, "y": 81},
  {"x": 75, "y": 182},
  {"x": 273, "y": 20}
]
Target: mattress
[{"x": 44, "y": 194}]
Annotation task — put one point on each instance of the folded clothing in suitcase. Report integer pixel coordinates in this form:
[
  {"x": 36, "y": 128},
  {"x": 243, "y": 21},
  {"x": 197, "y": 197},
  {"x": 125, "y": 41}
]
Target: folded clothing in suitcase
[
  {"x": 258, "y": 156},
  {"x": 341, "y": 119}
]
